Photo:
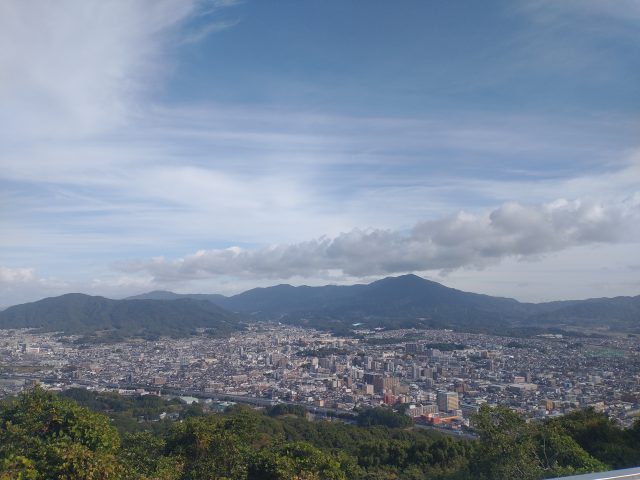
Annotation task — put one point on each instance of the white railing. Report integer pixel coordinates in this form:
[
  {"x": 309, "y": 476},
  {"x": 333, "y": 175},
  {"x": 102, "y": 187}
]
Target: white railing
[{"x": 626, "y": 474}]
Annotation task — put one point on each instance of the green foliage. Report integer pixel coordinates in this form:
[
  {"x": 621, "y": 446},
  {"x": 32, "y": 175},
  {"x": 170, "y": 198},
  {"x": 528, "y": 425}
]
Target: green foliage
[
  {"x": 126, "y": 411},
  {"x": 143, "y": 455},
  {"x": 295, "y": 460},
  {"x": 511, "y": 448},
  {"x": 602, "y": 438},
  {"x": 193, "y": 410},
  {"x": 383, "y": 416},
  {"x": 46, "y": 436},
  {"x": 42, "y": 435},
  {"x": 507, "y": 448},
  {"x": 149, "y": 406},
  {"x": 559, "y": 453},
  {"x": 286, "y": 409},
  {"x": 211, "y": 448},
  {"x": 17, "y": 468}
]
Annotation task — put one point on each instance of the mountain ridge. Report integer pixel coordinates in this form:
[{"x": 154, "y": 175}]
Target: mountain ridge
[
  {"x": 410, "y": 297},
  {"x": 77, "y": 313},
  {"x": 391, "y": 302}
]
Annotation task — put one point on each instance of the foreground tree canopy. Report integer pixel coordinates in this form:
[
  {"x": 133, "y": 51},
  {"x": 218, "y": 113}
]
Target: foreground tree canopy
[{"x": 47, "y": 436}]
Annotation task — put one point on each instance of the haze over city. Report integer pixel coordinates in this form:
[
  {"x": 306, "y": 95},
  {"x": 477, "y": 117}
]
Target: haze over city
[{"x": 217, "y": 146}]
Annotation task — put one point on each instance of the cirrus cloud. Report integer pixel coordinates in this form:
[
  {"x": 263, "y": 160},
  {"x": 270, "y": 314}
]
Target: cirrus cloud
[{"x": 73, "y": 69}]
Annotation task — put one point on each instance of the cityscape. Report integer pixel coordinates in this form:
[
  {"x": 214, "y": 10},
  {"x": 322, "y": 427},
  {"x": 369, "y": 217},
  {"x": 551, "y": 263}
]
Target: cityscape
[{"x": 438, "y": 377}]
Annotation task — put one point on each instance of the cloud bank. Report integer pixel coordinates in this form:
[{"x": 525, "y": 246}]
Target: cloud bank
[{"x": 461, "y": 240}]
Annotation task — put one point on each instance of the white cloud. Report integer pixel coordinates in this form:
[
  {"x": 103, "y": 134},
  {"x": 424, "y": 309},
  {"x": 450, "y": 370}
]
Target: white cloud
[
  {"x": 462, "y": 240},
  {"x": 622, "y": 10},
  {"x": 25, "y": 284},
  {"x": 72, "y": 68},
  {"x": 16, "y": 275},
  {"x": 22, "y": 284}
]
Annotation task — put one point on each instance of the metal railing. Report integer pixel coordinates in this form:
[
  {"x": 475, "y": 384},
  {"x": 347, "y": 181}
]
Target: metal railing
[{"x": 626, "y": 474}]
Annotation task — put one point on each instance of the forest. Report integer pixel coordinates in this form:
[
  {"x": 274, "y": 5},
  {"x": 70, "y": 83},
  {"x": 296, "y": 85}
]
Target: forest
[{"x": 95, "y": 436}]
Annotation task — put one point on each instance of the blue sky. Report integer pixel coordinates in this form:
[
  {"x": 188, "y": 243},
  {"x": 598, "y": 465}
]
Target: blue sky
[{"x": 213, "y": 146}]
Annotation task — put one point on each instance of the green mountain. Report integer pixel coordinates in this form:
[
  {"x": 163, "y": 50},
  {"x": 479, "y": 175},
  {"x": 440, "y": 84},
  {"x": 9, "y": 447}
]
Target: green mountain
[
  {"x": 618, "y": 313},
  {"x": 166, "y": 295},
  {"x": 409, "y": 300},
  {"x": 76, "y": 313},
  {"x": 392, "y": 302}
]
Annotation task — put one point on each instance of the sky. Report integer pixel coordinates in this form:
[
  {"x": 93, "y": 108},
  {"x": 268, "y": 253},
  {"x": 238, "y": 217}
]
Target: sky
[{"x": 219, "y": 145}]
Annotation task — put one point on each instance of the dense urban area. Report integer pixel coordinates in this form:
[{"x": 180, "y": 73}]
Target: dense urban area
[{"x": 438, "y": 377}]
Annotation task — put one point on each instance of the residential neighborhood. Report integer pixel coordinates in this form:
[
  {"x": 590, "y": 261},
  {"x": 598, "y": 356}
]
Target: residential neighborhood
[{"x": 438, "y": 377}]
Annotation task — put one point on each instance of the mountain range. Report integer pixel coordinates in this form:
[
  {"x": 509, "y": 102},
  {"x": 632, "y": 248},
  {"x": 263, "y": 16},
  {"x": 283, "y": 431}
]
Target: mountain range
[
  {"x": 76, "y": 313},
  {"x": 393, "y": 302}
]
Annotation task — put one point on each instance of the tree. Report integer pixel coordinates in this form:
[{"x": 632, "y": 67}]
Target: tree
[
  {"x": 601, "y": 437},
  {"x": 383, "y": 416},
  {"x": 511, "y": 448},
  {"x": 294, "y": 461},
  {"x": 559, "y": 455},
  {"x": 45, "y": 436},
  {"x": 143, "y": 455},
  {"x": 209, "y": 449},
  {"x": 17, "y": 468},
  {"x": 507, "y": 448}
]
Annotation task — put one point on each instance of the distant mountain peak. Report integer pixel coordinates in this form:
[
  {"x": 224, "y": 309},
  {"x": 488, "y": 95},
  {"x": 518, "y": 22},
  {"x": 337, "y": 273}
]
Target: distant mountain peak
[{"x": 407, "y": 278}]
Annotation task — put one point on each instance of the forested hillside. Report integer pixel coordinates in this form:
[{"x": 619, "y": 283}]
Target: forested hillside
[
  {"x": 412, "y": 301},
  {"x": 394, "y": 302},
  {"x": 76, "y": 313},
  {"x": 46, "y": 436}
]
